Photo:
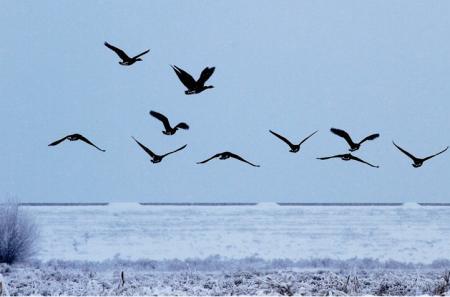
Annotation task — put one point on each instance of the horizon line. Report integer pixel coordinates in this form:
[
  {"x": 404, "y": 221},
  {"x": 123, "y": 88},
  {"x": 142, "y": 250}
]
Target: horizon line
[{"x": 234, "y": 203}]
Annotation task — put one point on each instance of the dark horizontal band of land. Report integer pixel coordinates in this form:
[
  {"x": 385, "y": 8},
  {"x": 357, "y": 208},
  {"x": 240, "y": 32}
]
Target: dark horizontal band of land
[{"x": 231, "y": 204}]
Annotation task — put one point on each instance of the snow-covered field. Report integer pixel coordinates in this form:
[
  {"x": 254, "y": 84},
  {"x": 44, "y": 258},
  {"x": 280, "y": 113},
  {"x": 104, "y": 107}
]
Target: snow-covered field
[
  {"x": 407, "y": 233},
  {"x": 264, "y": 249},
  {"x": 59, "y": 279}
]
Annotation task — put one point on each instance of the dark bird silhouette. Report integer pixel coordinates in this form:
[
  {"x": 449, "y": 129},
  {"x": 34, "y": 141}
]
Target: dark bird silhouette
[
  {"x": 348, "y": 157},
  {"x": 75, "y": 137},
  {"x": 418, "y": 161},
  {"x": 226, "y": 155},
  {"x": 294, "y": 147},
  {"x": 353, "y": 146},
  {"x": 156, "y": 158},
  {"x": 168, "y": 129},
  {"x": 194, "y": 86},
  {"x": 126, "y": 61}
]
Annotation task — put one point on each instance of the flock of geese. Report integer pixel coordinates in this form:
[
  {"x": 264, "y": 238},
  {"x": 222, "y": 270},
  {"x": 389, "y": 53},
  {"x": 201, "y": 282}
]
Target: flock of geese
[{"x": 197, "y": 86}]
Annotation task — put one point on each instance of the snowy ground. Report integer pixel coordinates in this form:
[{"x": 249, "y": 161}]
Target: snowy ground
[
  {"x": 408, "y": 233},
  {"x": 237, "y": 250},
  {"x": 67, "y": 278}
]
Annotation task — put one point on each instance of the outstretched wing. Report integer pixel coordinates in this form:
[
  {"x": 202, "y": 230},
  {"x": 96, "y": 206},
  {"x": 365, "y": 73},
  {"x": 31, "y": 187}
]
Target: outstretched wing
[
  {"x": 436, "y": 154},
  {"x": 58, "y": 141},
  {"x": 242, "y": 159},
  {"x": 118, "y": 51},
  {"x": 187, "y": 80},
  {"x": 406, "y": 153},
  {"x": 370, "y": 137},
  {"x": 141, "y": 54},
  {"x": 209, "y": 159},
  {"x": 362, "y": 161},
  {"x": 308, "y": 137},
  {"x": 205, "y": 75},
  {"x": 146, "y": 149},
  {"x": 82, "y": 138},
  {"x": 330, "y": 157},
  {"x": 162, "y": 118},
  {"x": 344, "y": 135},
  {"x": 179, "y": 149},
  {"x": 182, "y": 125},
  {"x": 282, "y": 138}
]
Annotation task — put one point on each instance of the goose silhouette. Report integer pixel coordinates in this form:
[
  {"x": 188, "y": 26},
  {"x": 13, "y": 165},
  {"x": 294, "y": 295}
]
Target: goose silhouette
[
  {"x": 417, "y": 162},
  {"x": 353, "y": 145},
  {"x": 294, "y": 147},
  {"x": 126, "y": 60},
  {"x": 348, "y": 157},
  {"x": 168, "y": 129},
  {"x": 227, "y": 155},
  {"x": 194, "y": 86},
  {"x": 155, "y": 157},
  {"x": 75, "y": 137}
]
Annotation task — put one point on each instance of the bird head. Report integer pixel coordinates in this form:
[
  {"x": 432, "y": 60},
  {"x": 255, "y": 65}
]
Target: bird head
[{"x": 416, "y": 165}]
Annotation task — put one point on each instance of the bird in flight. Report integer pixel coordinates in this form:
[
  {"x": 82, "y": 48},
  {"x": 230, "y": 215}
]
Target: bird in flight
[
  {"x": 156, "y": 158},
  {"x": 168, "y": 129},
  {"x": 75, "y": 137},
  {"x": 294, "y": 147},
  {"x": 226, "y": 155},
  {"x": 194, "y": 86},
  {"x": 353, "y": 146},
  {"x": 418, "y": 161},
  {"x": 126, "y": 61},
  {"x": 348, "y": 157}
]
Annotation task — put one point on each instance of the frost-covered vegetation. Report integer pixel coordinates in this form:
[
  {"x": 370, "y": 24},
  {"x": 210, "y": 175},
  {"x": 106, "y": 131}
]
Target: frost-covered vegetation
[
  {"x": 18, "y": 233},
  {"x": 216, "y": 276}
]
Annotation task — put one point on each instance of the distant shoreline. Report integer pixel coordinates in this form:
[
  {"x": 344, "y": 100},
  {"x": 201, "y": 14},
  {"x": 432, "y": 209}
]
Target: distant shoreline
[{"x": 228, "y": 204}]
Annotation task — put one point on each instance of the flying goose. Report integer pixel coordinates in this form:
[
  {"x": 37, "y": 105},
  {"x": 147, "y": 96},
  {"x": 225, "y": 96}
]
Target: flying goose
[
  {"x": 168, "y": 129},
  {"x": 194, "y": 86},
  {"x": 75, "y": 137},
  {"x": 226, "y": 155},
  {"x": 348, "y": 157},
  {"x": 294, "y": 147},
  {"x": 346, "y": 136},
  {"x": 418, "y": 161},
  {"x": 156, "y": 158},
  {"x": 126, "y": 61}
]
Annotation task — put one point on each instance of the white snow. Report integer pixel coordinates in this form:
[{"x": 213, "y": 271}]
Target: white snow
[
  {"x": 54, "y": 279},
  {"x": 411, "y": 205},
  {"x": 3, "y": 286},
  {"x": 133, "y": 231},
  {"x": 267, "y": 205},
  {"x": 123, "y": 205}
]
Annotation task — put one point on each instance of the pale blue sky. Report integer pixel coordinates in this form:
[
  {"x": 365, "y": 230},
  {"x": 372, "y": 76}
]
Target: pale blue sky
[{"x": 290, "y": 66}]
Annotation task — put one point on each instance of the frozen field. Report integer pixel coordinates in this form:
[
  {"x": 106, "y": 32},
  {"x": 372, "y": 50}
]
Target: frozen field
[
  {"x": 262, "y": 249},
  {"x": 407, "y": 233}
]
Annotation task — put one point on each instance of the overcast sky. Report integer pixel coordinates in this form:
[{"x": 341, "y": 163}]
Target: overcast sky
[{"x": 290, "y": 66}]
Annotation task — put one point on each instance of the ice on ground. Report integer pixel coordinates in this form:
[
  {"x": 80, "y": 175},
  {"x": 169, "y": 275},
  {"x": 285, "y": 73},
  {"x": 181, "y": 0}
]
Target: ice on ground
[
  {"x": 134, "y": 232},
  {"x": 123, "y": 205},
  {"x": 411, "y": 205},
  {"x": 267, "y": 205}
]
